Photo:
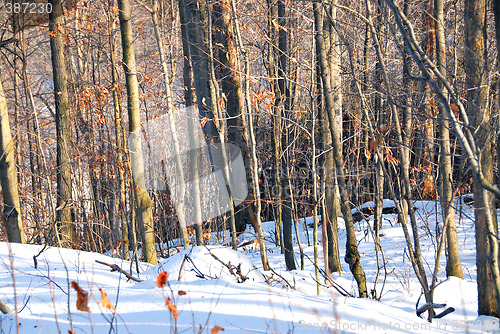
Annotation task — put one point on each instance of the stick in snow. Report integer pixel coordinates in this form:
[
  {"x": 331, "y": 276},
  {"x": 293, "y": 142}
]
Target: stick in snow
[{"x": 115, "y": 267}]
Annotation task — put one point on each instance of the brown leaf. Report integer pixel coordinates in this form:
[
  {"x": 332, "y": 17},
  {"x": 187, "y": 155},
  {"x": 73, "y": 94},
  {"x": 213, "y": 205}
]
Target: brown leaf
[
  {"x": 182, "y": 293},
  {"x": 217, "y": 329},
  {"x": 162, "y": 279},
  {"x": 82, "y": 303},
  {"x": 105, "y": 301},
  {"x": 172, "y": 308},
  {"x": 454, "y": 107}
]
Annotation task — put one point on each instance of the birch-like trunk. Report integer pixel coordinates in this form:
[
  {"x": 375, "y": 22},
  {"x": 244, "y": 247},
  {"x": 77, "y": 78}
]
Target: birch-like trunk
[
  {"x": 144, "y": 203},
  {"x": 8, "y": 176}
]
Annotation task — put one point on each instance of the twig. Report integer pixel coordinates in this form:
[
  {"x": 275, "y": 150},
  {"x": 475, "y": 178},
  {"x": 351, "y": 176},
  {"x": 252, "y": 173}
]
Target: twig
[
  {"x": 115, "y": 267},
  {"x": 35, "y": 256}
]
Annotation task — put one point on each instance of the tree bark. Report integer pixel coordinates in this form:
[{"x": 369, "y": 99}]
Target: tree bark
[
  {"x": 486, "y": 219},
  {"x": 190, "y": 99},
  {"x": 8, "y": 177},
  {"x": 283, "y": 104},
  {"x": 453, "y": 264},
  {"x": 181, "y": 201},
  {"x": 332, "y": 194},
  {"x": 352, "y": 256},
  {"x": 64, "y": 218},
  {"x": 144, "y": 203}
]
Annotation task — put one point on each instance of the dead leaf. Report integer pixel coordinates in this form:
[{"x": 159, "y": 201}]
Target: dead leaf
[
  {"x": 162, "y": 279},
  {"x": 182, "y": 293},
  {"x": 105, "y": 301},
  {"x": 82, "y": 303},
  {"x": 172, "y": 308},
  {"x": 454, "y": 107},
  {"x": 217, "y": 329}
]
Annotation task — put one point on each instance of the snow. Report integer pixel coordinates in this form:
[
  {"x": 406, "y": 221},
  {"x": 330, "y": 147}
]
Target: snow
[{"x": 262, "y": 302}]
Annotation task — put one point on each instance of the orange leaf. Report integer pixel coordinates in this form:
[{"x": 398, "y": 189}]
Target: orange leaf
[
  {"x": 105, "y": 301},
  {"x": 82, "y": 299},
  {"x": 204, "y": 120},
  {"x": 162, "y": 279},
  {"x": 454, "y": 107},
  {"x": 217, "y": 329},
  {"x": 172, "y": 308},
  {"x": 182, "y": 293}
]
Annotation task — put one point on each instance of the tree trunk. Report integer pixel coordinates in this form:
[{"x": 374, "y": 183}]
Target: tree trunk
[
  {"x": 276, "y": 123},
  {"x": 332, "y": 194},
  {"x": 67, "y": 234},
  {"x": 144, "y": 203},
  {"x": 229, "y": 68},
  {"x": 352, "y": 256},
  {"x": 480, "y": 115},
  {"x": 8, "y": 176},
  {"x": 120, "y": 149},
  {"x": 496, "y": 10},
  {"x": 190, "y": 99},
  {"x": 453, "y": 264},
  {"x": 181, "y": 201},
  {"x": 283, "y": 103}
]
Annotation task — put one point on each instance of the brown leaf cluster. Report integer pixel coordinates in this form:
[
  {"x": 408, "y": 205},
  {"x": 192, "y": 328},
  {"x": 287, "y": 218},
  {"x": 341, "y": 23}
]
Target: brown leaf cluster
[
  {"x": 172, "y": 308},
  {"x": 161, "y": 281},
  {"x": 82, "y": 302}
]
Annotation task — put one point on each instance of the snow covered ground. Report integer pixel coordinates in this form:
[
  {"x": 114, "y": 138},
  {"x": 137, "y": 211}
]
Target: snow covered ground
[{"x": 208, "y": 298}]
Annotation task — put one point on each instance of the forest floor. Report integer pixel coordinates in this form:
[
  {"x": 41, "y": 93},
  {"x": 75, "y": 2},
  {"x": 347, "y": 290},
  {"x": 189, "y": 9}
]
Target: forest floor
[{"x": 209, "y": 299}]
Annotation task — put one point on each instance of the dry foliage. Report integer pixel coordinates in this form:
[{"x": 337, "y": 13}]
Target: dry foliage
[
  {"x": 162, "y": 279},
  {"x": 172, "y": 308},
  {"x": 105, "y": 301},
  {"x": 82, "y": 302},
  {"x": 217, "y": 329}
]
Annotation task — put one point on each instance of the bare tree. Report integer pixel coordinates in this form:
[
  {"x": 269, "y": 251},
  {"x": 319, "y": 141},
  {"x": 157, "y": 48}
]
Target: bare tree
[
  {"x": 8, "y": 176},
  {"x": 66, "y": 236},
  {"x": 352, "y": 256},
  {"x": 453, "y": 264},
  {"x": 144, "y": 203},
  {"x": 484, "y": 207}
]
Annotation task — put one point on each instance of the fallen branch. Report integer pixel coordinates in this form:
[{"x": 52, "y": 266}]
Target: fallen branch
[
  {"x": 115, "y": 267},
  {"x": 4, "y": 308},
  {"x": 429, "y": 307}
]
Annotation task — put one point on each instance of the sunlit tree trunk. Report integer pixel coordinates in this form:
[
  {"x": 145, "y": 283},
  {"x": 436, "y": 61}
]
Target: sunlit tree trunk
[
  {"x": 332, "y": 195},
  {"x": 66, "y": 233},
  {"x": 352, "y": 256},
  {"x": 453, "y": 264},
  {"x": 480, "y": 116},
  {"x": 144, "y": 203},
  {"x": 8, "y": 176}
]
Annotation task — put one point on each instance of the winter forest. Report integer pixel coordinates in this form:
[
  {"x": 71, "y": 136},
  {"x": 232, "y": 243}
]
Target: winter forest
[{"x": 301, "y": 131}]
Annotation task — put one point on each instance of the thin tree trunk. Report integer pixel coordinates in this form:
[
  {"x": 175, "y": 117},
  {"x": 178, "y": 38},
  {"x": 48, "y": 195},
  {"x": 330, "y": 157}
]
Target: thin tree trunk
[
  {"x": 120, "y": 142},
  {"x": 8, "y": 176},
  {"x": 190, "y": 99},
  {"x": 144, "y": 203},
  {"x": 63, "y": 127},
  {"x": 255, "y": 176},
  {"x": 181, "y": 213},
  {"x": 273, "y": 54},
  {"x": 352, "y": 256},
  {"x": 453, "y": 264},
  {"x": 283, "y": 103},
  {"x": 332, "y": 194}
]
